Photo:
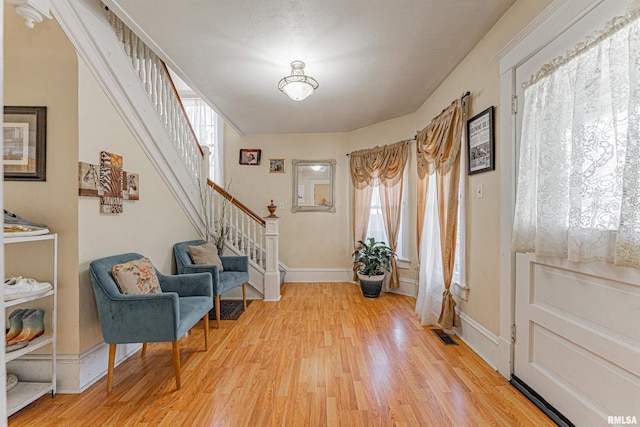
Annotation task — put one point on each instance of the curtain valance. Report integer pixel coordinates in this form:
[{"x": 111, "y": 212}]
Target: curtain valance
[
  {"x": 386, "y": 163},
  {"x": 438, "y": 144}
]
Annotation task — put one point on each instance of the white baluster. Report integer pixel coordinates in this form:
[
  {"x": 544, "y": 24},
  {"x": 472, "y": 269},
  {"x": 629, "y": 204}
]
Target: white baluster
[
  {"x": 126, "y": 40},
  {"x": 246, "y": 231},
  {"x": 254, "y": 249},
  {"x": 262, "y": 246},
  {"x": 235, "y": 227}
]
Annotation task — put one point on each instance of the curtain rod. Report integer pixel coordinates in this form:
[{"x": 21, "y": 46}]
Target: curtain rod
[{"x": 464, "y": 95}]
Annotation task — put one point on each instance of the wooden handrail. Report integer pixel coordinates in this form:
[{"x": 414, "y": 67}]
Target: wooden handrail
[
  {"x": 175, "y": 91},
  {"x": 236, "y": 202}
]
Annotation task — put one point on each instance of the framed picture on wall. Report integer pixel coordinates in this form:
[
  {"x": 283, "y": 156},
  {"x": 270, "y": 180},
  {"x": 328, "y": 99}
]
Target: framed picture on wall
[
  {"x": 250, "y": 156},
  {"x": 480, "y": 143},
  {"x": 24, "y": 137},
  {"x": 276, "y": 165}
]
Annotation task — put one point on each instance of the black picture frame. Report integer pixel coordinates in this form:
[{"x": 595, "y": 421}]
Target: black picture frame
[
  {"x": 481, "y": 150},
  {"x": 250, "y": 156},
  {"x": 25, "y": 143}
]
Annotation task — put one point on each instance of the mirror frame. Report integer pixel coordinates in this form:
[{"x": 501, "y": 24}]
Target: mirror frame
[{"x": 331, "y": 163}]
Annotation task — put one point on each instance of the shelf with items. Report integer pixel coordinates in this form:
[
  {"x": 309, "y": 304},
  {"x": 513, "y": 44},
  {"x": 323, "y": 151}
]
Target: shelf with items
[
  {"x": 25, "y": 393},
  {"x": 34, "y": 344},
  {"x": 18, "y": 301},
  {"x": 43, "y": 382}
]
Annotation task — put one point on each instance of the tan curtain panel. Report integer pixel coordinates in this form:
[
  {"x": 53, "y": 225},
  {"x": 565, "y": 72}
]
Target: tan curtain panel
[
  {"x": 438, "y": 151},
  {"x": 391, "y": 204},
  {"x": 387, "y": 164}
]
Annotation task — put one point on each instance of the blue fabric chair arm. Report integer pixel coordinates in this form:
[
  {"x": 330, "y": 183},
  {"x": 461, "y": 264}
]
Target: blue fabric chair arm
[
  {"x": 194, "y": 285},
  {"x": 235, "y": 263},
  {"x": 140, "y": 318}
]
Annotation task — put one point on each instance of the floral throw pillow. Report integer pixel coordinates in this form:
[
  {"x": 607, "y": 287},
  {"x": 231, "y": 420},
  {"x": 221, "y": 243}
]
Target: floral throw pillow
[
  {"x": 136, "y": 277},
  {"x": 206, "y": 254}
]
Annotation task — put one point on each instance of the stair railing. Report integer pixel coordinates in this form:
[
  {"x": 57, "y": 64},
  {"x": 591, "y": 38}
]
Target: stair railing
[
  {"x": 247, "y": 229},
  {"x": 155, "y": 79}
]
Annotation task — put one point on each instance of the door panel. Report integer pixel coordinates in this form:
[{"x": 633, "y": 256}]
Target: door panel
[
  {"x": 578, "y": 324},
  {"x": 578, "y": 340}
]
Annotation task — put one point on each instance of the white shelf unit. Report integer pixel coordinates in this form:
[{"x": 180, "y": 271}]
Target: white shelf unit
[{"x": 27, "y": 392}]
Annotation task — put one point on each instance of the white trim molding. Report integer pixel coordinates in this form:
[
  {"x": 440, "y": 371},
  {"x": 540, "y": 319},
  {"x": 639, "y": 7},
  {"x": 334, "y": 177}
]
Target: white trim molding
[
  {"x": 408, "y": 287},
  {"x": 308, "y": 275},
  {"x": 75, "y": 373},
  {"x": 479, "y": 339}
]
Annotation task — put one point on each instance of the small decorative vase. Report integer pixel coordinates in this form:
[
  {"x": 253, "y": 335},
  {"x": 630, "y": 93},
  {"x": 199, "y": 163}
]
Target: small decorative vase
[{"x": 272, "y": 210}]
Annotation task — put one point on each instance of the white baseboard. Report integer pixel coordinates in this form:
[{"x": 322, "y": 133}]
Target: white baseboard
[
  {"x": 318, "y": 275},
  {"x": 408, "y": 287},
  {"x": 479, "y": 339},
  {"x": 74, "y": 373},
  {"x": 505, "y": 350}
]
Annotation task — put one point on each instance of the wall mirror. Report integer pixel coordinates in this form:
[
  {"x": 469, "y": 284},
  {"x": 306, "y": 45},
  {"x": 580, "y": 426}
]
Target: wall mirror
[{"x": 313, "y": 185}]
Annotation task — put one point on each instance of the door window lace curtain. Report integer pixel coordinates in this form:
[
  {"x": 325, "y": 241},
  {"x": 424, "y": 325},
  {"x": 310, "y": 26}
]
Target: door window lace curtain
[{"x": 578, "y": 191}]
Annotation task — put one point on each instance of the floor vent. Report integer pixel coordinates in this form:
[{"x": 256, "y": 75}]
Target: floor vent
[{"x": 444, "y": 337}]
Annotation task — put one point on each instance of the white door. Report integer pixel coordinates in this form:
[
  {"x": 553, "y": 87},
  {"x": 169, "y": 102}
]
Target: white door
[{"x": 578, "y": 325}]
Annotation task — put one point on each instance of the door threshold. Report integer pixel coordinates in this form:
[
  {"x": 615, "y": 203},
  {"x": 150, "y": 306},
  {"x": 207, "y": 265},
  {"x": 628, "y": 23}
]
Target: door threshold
[{"x": 548, "y": 409}]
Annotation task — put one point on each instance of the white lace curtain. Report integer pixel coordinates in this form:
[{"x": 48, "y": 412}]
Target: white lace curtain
[{"x": 578, "y": 192}]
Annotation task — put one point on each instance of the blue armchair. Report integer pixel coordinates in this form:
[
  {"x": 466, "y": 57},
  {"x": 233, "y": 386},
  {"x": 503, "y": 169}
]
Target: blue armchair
[
  {"x": 236, "y": 272},
  {"x": 163, "y": 317}
]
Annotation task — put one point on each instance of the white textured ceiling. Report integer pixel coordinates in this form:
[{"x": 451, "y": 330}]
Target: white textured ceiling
[{"x": 374, "y": 59}]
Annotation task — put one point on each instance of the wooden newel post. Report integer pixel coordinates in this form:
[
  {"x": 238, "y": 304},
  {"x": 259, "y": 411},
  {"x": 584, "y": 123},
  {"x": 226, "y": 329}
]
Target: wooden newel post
[{"x": 272, "y": 271}]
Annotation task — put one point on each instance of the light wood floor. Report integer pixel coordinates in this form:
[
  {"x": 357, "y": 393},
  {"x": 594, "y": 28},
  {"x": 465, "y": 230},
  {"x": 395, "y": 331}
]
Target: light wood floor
[{"x": 324, "y": 355}]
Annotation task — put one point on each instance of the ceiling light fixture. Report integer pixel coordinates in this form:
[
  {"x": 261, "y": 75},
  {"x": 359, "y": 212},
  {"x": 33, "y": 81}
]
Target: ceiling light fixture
[{"x": 297, "y": 86}]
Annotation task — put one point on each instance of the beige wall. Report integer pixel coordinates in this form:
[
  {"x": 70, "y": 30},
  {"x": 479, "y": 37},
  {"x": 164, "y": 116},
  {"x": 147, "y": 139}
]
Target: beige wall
[
  {"x": 40, "y": 67},
  {"x": 307, "y": 239},
  {"x": 149, "y": 226}
]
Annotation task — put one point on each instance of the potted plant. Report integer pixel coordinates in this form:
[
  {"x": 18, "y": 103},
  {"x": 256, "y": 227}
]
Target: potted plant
[{"x": 370, "y": 261}]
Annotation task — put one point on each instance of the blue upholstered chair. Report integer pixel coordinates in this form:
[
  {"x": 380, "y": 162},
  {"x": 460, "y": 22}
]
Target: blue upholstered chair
[
  {"x": 163, "y": 317},
  {"x": 236, "y": 272}
]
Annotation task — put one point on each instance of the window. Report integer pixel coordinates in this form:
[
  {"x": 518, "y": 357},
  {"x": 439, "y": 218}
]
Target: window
[
  {"x": 376, "y": 228},
  {"x": 208, "y": 127}
]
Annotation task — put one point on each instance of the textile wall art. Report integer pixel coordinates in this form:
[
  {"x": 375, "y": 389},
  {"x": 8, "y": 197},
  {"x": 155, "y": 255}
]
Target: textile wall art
[{"x": 108, "y": 182}]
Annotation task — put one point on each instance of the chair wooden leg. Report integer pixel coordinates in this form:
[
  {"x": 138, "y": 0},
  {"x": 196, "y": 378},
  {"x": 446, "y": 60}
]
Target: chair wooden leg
[
  {"x": 176, "y": 363},
  {"x": 112, "y": 361},
  {"x": 206, "y": 331},
  {"x": 244, "y": 295},
  {"x": 144, "y": 349},
  {"x": 217, "y": 304}
]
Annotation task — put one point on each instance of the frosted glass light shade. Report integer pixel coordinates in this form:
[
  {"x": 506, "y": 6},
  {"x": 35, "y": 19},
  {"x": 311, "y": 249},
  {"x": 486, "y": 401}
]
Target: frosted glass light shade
[{"x": 297, "y": 86}]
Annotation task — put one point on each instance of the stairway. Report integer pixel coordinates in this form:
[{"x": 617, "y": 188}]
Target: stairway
[{"x": 139, "y": 86}]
